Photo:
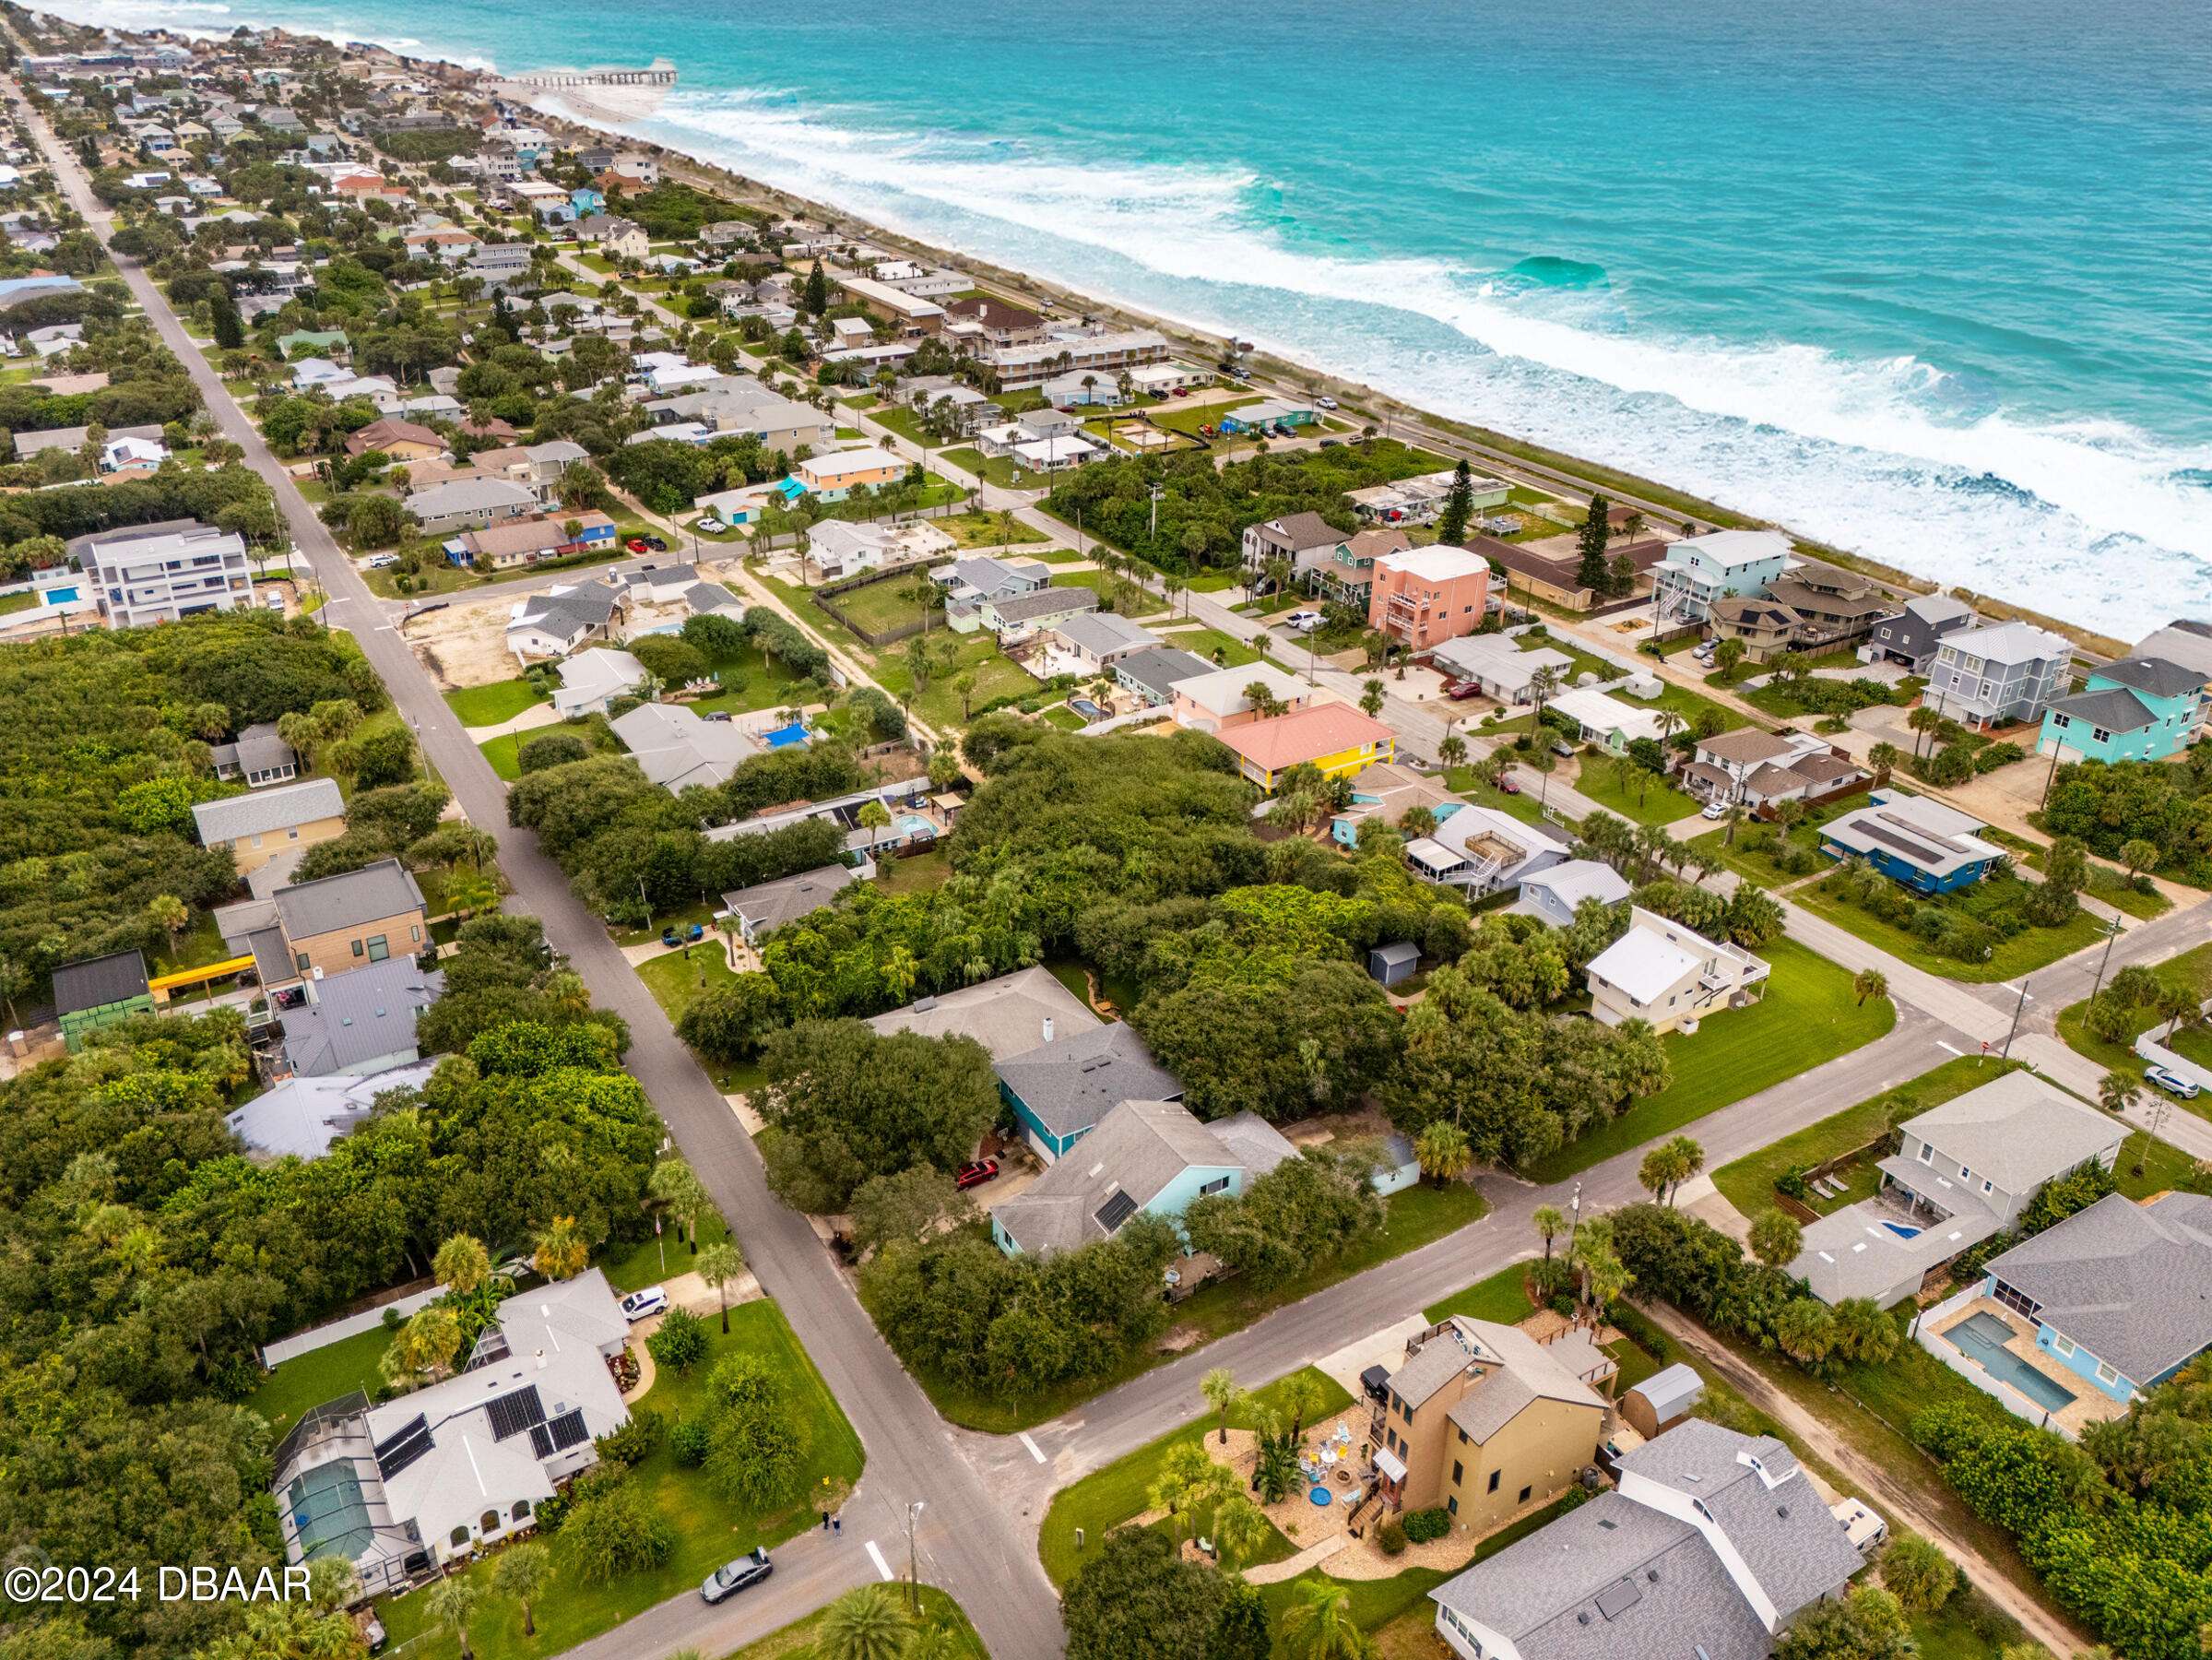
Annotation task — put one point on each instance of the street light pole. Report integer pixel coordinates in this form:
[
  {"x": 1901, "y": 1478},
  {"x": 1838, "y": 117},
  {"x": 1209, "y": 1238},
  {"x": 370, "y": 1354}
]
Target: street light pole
[
  {"x": 2112, "y": 932},
  {"x": 2016, "y": 1010},
  {"x": 913, "y": 1595}
]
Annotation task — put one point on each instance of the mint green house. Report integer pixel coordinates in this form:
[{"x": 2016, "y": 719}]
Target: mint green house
[{"x": 2137, "y": 710}]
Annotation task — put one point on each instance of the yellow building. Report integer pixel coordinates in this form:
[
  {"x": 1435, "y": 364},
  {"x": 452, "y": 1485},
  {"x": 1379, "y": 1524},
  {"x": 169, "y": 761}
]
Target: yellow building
[
  {"x": 1335, "y": 737},
  {"x": 834, "y": 475}
]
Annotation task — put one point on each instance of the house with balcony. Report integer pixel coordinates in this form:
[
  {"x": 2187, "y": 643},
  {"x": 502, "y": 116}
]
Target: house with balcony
[
  {"x": 1709, "y": 1547},
  {"x": 1479, "y": 1419},
  {"x": 1344, "y": 575},
  {"x": 1387, "y": 791},
  {"x": 1962, "y": 1173},
  {"x": 157, "y": 573},
  {"x": 1482, "y": 851},
  {"x": 1213, "y": 701},
  {"x": 1670, "y": 977},
  {"x": 312, "y": 931},
  {"x": 1701, "y": 571},
  {"x": 1908, "y": 636},
  {"x": 1916, "y": 840},
  {"x": 1762, "y": 769},
  {"x": 834, "y": 475},
  {"x": 1997, "y": 674},
  {"x": 1419, "y": 499},
  {"x": 2137, "y": 710},
  {"x": 1302, "y": 540},
  {"x": 1425, "y": 596}
]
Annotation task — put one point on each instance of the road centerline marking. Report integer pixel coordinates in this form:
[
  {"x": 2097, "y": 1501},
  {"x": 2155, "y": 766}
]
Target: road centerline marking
[
  {"x": 1034, "y": 1451},
  {"x": 876, "y": 1557}
]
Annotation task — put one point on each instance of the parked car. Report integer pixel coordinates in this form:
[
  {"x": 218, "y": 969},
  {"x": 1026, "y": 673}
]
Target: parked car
[
  {"x": 1714, "y": 810},
  {"x": 1303, "y": 622},
  {"x": 1180, "y": 392},
  {"x": 1463, "y": 689},
  {"x": 637, "y": 544},
  {"x": 1561, "y": 748},
  {"x": 654, "y": 544},
  {"x": 378, "y": 561},
  {"x": 975, "y": 1175},
  {"x": 1375, "y": 1381},
  {"x": 1507, "y": 783},
  {"x": 668, "y": 937},
  {"x": 643, "y": 1305},
  {"x": 741, "y": 1575},
  {"x": 2173, "y": 1084},
  {"x": 1332, "y": 443},
  {"x": 1324, "y": 403}
]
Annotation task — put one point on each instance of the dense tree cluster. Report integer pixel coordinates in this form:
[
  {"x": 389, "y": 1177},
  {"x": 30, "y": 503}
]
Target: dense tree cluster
[{"x": 2167, "y": 805}]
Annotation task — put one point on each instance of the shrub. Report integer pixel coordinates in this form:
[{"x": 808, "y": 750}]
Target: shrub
[
  {"x": 680, "y": 1344},
  {"x": 1422, "y": 1525},
  {"x": 551, "y": 749},
  {"x": 634, "y": 1441},
  {"x": 688, "y": 1443},
  {"x": 1391, "y": 1536}
]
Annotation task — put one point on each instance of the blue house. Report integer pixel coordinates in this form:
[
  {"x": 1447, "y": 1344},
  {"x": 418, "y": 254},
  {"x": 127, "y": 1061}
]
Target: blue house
[
  {"x": 1144, "y": 1155},
  {"x": 2142, "y": 708},
  {"x": 1061, "y": 1088},
  {"x": 2118, "y": 1292},
  {"x": 1926, "y": 846},
  {"x": 587, "y": 200}
]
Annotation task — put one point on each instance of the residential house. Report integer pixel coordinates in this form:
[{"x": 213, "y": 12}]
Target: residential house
[
  {"x": 564, "y": 617},
  {"x": 1916, "y": 840},
  {"x": 618, "y": 238},
  {"x": 360, "y": 1023},
  {"x": 1670, "y": 976},
  {"x": 301, "y": 1117},
  {"x": 1087, "y": 390},
  {"x": 401, "y": 439},
  {"x": 1425, "y": 595},
  {"x": 1555, "y": 575},
  {"x": 1721, "y": 766},
  {"x": 256, "y": 827},
  {"x": 1604, "y": 720},
  {"x": 125, "y": 455},
  {"x": 840, "y": 548},
  {"x": 1387, "y": 791},
  {"x": 1765, "y": 628},
  {"x": 1419, "y": 500},
  {"x": 1104, "y": 354},
  {"x": 530, "y": 541},
  {"x": 1211, "y": 702},
  {"x": 538, "y": 467},
  {"x": 1481, "y": 851},
  {"x": 433, "y": 1476},
  {"x": 1479, "y": 1419},
  {"x": 766, "y": 906},
  {"x": 1148, "y": 1156},
  {"x": 1712, "y": 1543},
  {"x": 909, "y": 314},
  {"x": 1059, "y": 1090},
  {"x": 2137, "y": 709},
  {"x": 1151, "y": 675},
  {"x": 1963, "y": 1173},
  {"x": 2183, "y": 641},
  {"x": 1006, "y": 1015},
  {"x": 468, "y": 504},
  {"x": 993, "y": 324},
  {"x": 1553, "y": 894},
  {"x": 1701, "y": 571},
  {"x": 1909, "y": 636},
  {"x": 1346, "y": 575},
  {"x": 1303, "y": 540},
  {"x": 678, "y": 749},
  {"x": 73, "y": 439},
  {"x": 157, "y": 573},
  {"x": 1333, "y": 737},
  {"x": 594, "y": 678},
  {"x": 1997, "y": 674},
  {"x": 441, "y": 242},
  {"x": 324, "y": 928},
  {"x": 1093, "y": 642},
  {"x": 834, "y": 475},
  {"x": 1497, "y": 667},
  {"x": 258, "y": 757},
  {"x": 1266, "y": 415},
  {"x": 1813, "y": 607},
  {"x": 1018, "y": 617},
  {"x": 97, "y": 991},
  {"x": 2116, "y": 1293}
]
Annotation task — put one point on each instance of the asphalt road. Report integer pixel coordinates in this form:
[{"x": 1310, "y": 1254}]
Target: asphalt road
[{"x": 966, "y": 1542}]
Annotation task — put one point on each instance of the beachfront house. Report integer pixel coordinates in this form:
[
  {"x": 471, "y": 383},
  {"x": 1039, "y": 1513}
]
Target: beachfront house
[
  {"x": 1909, "y": 636},
  {"x": 1991, "y": 676},
  {"x": 2137, "y": 710},
  {"x": 1702, "y": 569}
]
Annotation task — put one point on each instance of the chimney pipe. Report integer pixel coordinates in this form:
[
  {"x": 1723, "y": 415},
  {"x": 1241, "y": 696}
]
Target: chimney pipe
[{"x": 1047, "y": 1028}]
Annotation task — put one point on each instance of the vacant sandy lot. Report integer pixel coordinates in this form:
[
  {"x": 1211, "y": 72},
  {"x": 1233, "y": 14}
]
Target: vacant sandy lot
[{"x": 464, "y": 645}]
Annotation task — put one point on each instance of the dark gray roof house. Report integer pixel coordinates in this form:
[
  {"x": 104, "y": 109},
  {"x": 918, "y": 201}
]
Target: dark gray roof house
[
  {"x": 2109, "y": 710},
  {"x": 1911, "y": 635},
  {"x": 1061, "y": 1088},
  {"x": 1153, "y": 672},
  {"x": 2155, "y": 676},
  {"x": 767, "y": 906},
  {"x": 257, "y": 755},
  {"x": 97, "y": 981},
  {"x": 362, "y": 1021},
  {"x": 384, "y": 889}
]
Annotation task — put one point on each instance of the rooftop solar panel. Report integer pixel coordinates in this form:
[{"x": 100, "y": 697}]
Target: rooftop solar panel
[
  {"x": 512, "y": 1414},
  {"x": 1115, "y": 1211},
  {"x": 557, "y": 1435},
  {"x": 404, "y": 1448}
]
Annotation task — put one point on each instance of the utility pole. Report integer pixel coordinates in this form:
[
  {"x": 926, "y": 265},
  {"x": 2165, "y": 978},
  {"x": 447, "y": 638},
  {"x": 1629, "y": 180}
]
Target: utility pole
[
  {"x": 2016, "y": 1010},
  {"x": 2112, "y": 932},
  {"x": 647, "y": 903},
  {"x": 913, "y": 1595}
]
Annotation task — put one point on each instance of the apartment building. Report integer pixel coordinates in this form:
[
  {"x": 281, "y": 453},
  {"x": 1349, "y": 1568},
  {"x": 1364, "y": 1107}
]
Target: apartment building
[{"x": 159, "y": 573}]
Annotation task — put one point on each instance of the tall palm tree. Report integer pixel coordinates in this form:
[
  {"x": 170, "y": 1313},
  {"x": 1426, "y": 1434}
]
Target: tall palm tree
[
  {"x": 1550, "y": 1222},
  {"x": 450, "y": 1602},
  {"x": 1220, "y": 1388},
  {"x": 1240, "y": 1529},
  {"x": 1319, "y": 1625},
  {"x": 1870, "y": 982},
  {"x": 721, "y": 1265},
  {"x": 521, "y": 1574},
  {"x": 560, "y": 1249}
]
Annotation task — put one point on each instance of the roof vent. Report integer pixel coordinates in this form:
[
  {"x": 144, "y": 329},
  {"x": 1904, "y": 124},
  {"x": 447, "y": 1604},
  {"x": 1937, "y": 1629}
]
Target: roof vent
[
  {"x": 1652, "y": 1574},
  {"x": 1583, "y": 1618},
  {"x": 1782, "y": 1510}
]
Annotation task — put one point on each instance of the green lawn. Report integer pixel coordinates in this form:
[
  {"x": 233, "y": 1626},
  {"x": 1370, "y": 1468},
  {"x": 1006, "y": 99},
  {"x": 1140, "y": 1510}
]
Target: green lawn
[
  {"x": 1808, "y": 1015},
  {"x": 492, "y": 704},
  {"x": 984, "y": 530},
  {"x": 996, "y": 676},
  {"x": 504, "y": 753},
  {"x": 2192, "y": 968},
  {"x": 1645, "y": 801},
  {"x": 1110, "y": 1496},
  {"x": 1205, "y": 642},
  {"x": 1500, "y": 1297},
  {"x": 1067, "y": 719},
  {"x": 2106, "y": 883},
  {"x": 753, "y": 681},
  {"x": 1526, "y": 806},
  {"x": 25, "y": 600},
  {"x": 1759, "y": 866},
  {"x": 994, "y": 470},
  {"x": 321, "y": 1375},
  {"x": 796, "y": 1641},
  {"x": 709, "y": 1530},
  {"x": 679, "y": 977},
  {"x": 913, "y": 875},
  {"x": 648, "y": 1261},
  {"x": 1112, "y": 593},
  {"x": 1748, "y": 1183},
  {"x": 2027, "y": 951},
  {"x": 878, "y": 607},
  {"x": 1413, "y": 1218}
]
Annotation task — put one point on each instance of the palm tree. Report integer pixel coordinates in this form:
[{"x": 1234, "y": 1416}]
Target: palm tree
[
  {"x": 1551, "y": 1222},
  {"x": 1218, "y": 1386},
  {"x": 1542, "y": 685},
  {"x": 1776, "y": 1238},
  {"x": 1922, "y": 722},
  {"x": 721, "y": 1265},
  {"x": 172, "y": 915},
  {"x": 2137, "y": 854},
  {"x": 452, "y": 1600},
  {"x": 1732, "y": 818},
  {"x": 1885, "y": 757},
  {"x": 1370, "y": 697},
  {"x": 2116, "y": 1094},
  {"x": 2174, "y": 1002},
  {"x": 561, "y": 1251},
  {"x": 1319, "y": 1625},
  {"x": 1240, "y": 1528},
  {"x": 462, "y": 1264},
  {"x": 1444, "y": 1152},
  {"x": 521, "y": 1574},
  {"x": 1688, "y": 1158},
  {"x": 1452, "y": 750},
  {"x": 675, "y": 1187},
  {"x": 1657, "y": 1172},
  {"x": 863, "y": 1624},
  {"x": 1870, "y": 982}
]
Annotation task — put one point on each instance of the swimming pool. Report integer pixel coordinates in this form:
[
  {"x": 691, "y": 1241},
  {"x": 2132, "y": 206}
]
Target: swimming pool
[
  {"x": 784, "y": 736},
  {"x": 1085, "y": 707},
  {"x": 1981, "y": 1337},
  {"x": 914, "y": 827},
  {"x": 1901, "y": 1231},
  {"x": 59, "y": 596}
]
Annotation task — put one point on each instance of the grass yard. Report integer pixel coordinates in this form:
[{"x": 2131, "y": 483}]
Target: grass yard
[
  {"x": 1527, "y": 806},
  {"x": 2027, "y": 951},
  {"x": 504, "y": 754},
  {"x": 1759, "y": 865},
  {"x": 992, "y": 469},
  {"x": 1413, "y": 1218},
  {"x": 1106, "y": 1497},
  {"x": 679, "y": 977},
  {"x": 1748, "y": 1183},
  {"x": 922, "y": 871},
  {"x": 1207, "y": 642},
  {"x": 709, "y": 1529},
  {"x": 1500, "y": 1297},
  {"x": 985, "y": 531},
  {"x": 632, "y": 1267},
  {"x": 881, "y": 606},
  {"x": 996, "y": 676},
  {"x": 1112, "y": 593},
  {"x": 321, "y": 1375},
  {"x": 1641, "y": 799},
  {"x": 491, "y": 706},
  {"x": 2106, "y": 883},
  {"x": 1808, "y": 1016},
  {"x": 796, "y": 1641},
  {"x": 753, "y": 682},
  {"x": 1690, "y": 704},
  {"x": 2192, "y": 968}
]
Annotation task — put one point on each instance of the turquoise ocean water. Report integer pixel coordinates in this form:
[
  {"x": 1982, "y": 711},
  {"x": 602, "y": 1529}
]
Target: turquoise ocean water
[{"x": 1931, "y": 281}]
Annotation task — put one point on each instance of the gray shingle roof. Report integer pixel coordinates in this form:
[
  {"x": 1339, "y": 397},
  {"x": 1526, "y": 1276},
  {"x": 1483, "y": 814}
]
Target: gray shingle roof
[
  {"x": 359, "y": 1016},
  {"x": 2154, "y": 675},
  {"x": 1045, "y": 602},
  {"x": 257, "y": 748},
  {"x": 384, "y": 889},
  {"x": 1006, "y": 1015},
  {"x": 467, "y": 495},
  {"x": 1102, "y": 634},
  {"x": 1137, "y": 1150},
  {"x": 769, "y": 904},
  {"x": 1158, "y": 667},
  {"x": 2016, "y": 1130},
  {"x": 1079, "y": 1077},
  {"x": 2113, "y": 708},
  {"x": 2131, "y": 1284},
  {"x": 262, "y": 810}
]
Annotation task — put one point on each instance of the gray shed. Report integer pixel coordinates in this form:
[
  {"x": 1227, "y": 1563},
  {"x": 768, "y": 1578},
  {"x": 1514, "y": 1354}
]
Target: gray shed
[
  {"x": 1664, "y": 1398},
  {"x": 1390, "y": 964}
]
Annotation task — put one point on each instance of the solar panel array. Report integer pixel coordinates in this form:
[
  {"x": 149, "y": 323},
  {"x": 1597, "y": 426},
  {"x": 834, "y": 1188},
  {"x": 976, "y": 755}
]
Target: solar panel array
[
  {"x": 403, "y": 1446},
  {"x": 1115, "y": 1211},
  {"x": 512, "y": 1414},
  {"x": 558, "y": 1436}
]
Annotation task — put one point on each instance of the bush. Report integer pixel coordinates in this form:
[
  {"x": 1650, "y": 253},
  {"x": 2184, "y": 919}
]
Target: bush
[
  {"x": 634, "y": 1442},
  {"x": 1422, "y": 1525},
  {"x": 1391, "y": 1536},
  {"x": 551, "y": 749},
  {"x": 688, "y": 1443},
  {"x": 680, "y": 1344}
]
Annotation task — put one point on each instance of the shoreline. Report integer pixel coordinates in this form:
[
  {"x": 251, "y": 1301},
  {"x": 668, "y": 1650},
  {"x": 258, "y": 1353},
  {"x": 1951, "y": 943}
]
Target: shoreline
[{"x": 572, "y": 114}]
